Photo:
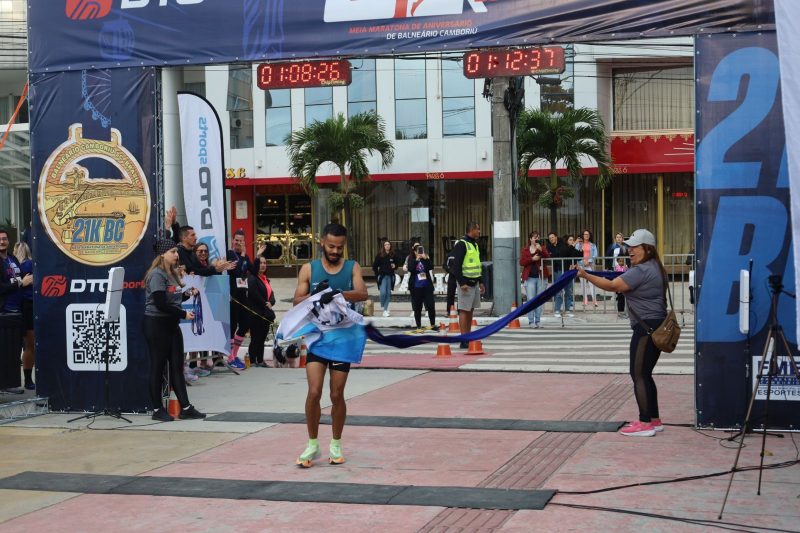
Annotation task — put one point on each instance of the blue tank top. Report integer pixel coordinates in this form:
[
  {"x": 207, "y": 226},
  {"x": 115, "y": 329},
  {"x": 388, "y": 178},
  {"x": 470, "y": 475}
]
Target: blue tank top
[{"x": 342, "y": 280}]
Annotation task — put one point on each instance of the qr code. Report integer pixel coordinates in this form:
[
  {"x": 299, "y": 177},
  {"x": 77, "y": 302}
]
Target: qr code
[{"x": 89, "y": 338}]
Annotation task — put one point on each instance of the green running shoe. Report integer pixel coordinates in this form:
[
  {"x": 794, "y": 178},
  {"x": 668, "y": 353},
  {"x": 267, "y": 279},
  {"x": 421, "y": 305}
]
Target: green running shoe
[
  {"x": 336, "y": 457},
  {"x": 309, "y": 454}
]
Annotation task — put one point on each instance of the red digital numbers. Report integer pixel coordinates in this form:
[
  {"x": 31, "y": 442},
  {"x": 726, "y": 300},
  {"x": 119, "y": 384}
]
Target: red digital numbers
[
  {"x": 303, "y": 74},
  {"x": 514, "y": 62}
]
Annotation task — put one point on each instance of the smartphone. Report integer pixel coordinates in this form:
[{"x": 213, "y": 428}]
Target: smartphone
[{"x": 420, "y": 250}]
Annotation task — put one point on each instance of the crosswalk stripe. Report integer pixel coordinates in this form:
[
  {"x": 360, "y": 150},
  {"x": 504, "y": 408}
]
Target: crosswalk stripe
[
  {"x": 575, "y": 369},
  {"x": 576, "y": 348}
]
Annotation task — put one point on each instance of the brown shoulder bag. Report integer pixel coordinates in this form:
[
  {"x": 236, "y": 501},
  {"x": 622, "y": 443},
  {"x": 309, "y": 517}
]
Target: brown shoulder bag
[{"x": 666, "y": 335}]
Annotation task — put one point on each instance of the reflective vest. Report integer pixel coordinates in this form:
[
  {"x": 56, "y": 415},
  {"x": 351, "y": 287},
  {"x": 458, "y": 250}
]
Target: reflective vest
[{"x": 471, "y": 267}]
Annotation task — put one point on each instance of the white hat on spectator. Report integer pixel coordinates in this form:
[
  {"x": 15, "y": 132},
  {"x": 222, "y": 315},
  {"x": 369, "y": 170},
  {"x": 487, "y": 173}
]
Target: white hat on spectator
[{"x": 639, "y": 237}]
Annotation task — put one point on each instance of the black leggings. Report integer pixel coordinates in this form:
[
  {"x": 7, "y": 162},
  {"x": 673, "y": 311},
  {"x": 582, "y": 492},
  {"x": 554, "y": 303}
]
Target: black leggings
[
  {"x": 452, "y": 285},
  {"x": 258, "y": 334},
  {"x": 240, "y": 319},
  {"x": 644, "y": 356},
  {"x": 418, "y": 297},
  {"x": 165, "y": 343},
  {"x": 620, "y": 302}
]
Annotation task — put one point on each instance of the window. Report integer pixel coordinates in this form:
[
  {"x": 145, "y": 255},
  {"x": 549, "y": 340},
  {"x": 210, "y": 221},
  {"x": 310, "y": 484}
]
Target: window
[
  {"x": 279, "y": 116},
  {"x": 410, "y": 103},
  {"x": 557, "y": 91},
  {"x": 319, "y": 104},
  {"x": 362, "y": 92},
  {"x": 654, "y": 98},
  {"x": 196, "y": 88},
  {"x": 458, "y": 101},
  {"x": 7, "y": 106},
  {"x": 240, "y": 105}
]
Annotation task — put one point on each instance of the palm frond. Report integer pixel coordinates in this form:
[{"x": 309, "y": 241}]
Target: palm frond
[{"x": 342, "y": 142}]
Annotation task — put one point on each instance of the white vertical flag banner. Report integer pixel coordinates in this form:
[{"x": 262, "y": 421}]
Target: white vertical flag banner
[
  {"x": 787, "y": 18},
  {"x": 204, "y": 199}
]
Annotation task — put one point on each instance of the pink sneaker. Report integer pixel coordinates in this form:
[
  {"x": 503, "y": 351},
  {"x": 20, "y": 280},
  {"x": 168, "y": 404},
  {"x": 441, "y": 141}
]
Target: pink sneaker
[
  {"x": 638, "y": 428},
  {"x": 657, "y": 425}
]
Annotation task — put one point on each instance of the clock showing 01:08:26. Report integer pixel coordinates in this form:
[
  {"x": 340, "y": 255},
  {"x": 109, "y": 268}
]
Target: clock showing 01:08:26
[{"x": 303, "y": 74}]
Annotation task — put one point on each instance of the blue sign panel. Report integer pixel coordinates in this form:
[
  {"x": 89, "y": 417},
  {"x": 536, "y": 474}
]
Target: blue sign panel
[
  {"x": 78, "y": 34},
  {"x": 743, "y": 224},
  {"x": 93, "y": 167}
]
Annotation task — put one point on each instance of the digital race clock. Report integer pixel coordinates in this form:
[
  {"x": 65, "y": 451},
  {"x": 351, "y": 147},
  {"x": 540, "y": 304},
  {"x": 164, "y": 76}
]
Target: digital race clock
[
  {"x": 300, "y": 74},
  {"x": 514, "y": 62}
]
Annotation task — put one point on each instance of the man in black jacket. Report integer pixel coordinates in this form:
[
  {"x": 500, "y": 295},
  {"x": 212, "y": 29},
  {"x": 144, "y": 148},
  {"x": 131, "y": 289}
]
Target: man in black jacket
[{"x": 561, "y": 254}]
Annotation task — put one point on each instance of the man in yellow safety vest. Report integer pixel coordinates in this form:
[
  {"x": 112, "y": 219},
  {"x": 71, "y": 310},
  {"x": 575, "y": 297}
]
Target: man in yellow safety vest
[{"x": 466, "y": 267}]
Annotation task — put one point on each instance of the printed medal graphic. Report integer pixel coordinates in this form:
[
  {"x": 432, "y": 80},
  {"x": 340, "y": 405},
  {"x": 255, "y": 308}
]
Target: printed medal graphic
[{"x": 94, "y": 220}]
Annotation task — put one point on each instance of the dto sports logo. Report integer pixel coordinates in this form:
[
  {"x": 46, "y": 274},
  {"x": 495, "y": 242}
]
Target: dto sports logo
[
  {"x": 97, "y": 9},
  {"x": 88, "y": 9},
  {"x": 54, "y": 286}
]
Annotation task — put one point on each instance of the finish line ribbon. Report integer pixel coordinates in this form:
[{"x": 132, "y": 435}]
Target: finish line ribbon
[{"x": 407, "y": 341}]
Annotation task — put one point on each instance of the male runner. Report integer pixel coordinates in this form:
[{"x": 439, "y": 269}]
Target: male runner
[{"x": 343, "y": 276}]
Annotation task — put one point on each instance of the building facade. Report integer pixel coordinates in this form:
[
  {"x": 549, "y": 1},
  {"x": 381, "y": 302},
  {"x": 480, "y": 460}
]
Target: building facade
[{"x": 441, "y": 126}]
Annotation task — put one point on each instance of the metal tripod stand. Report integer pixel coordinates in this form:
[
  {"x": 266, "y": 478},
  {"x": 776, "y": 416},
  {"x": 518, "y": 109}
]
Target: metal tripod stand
[
  {"x": 775, "y": 339},
  {"x": 106, "y": 411}
]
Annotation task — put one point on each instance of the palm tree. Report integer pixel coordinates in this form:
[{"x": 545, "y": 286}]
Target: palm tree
[
  {"x": 346, "y": 144},
  {"x": 560, "y": 137}
]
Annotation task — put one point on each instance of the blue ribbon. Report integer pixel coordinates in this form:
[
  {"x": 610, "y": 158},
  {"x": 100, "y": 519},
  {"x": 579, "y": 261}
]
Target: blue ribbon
[{"x": 407, "y": 341}]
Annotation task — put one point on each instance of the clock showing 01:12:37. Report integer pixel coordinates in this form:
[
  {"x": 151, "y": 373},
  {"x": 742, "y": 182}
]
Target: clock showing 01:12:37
[
  {"x": 303, "y": 74},
  {"x": 497, "y": 62}
]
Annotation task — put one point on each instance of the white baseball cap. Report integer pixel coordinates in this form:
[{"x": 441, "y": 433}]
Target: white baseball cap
[{"x": 639, "y": 237}]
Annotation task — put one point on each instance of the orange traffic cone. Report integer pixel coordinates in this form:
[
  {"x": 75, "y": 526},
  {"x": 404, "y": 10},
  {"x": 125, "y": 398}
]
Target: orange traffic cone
[
  {"x": 173, "y": 406},
  {"x": 474, "y": 322},
  {"x": 303, "y": 355},
  {"x": 454, "y": 327},
  {"x": 443, "y": 348},
  {"x": 514, "y": 324},
  {"x": 475, "y": 348}
]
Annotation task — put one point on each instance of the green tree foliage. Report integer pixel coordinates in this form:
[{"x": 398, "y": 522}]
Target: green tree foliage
[
  {"x": 564, "y": 138},
  {"x": 346, "y": 144}
]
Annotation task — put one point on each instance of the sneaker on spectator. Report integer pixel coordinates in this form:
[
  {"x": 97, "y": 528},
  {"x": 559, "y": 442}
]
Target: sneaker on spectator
[
  {"x": 189, "y": 376},
  {"x": 657, "y": 425},
  {"x": 236, "y": 363},
  {"x": 638, "y": 428},
  {"x": 30, "y": 385},
  {"x": 190, "y": 413},
  {"x": 557, "y": 314},
  {"x": 386, "y": 313},
  {"x": 464, "y": 345},
  {"x": 201, "y": 372},
  {"x": 162, "y": 415},
  {"x": 13, "y": 390},
  {"x": 570, "y": 314}
]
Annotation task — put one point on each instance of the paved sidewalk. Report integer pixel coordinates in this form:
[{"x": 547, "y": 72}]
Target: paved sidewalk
[{"x": 191, "y": 458}]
